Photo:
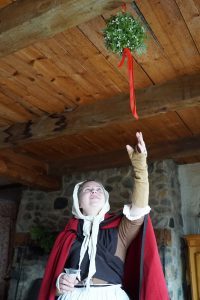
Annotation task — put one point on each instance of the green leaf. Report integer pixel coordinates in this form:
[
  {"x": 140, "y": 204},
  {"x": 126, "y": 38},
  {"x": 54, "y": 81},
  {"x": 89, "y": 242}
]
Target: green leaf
[
  {"x": 43, "y": 238},
  {"x": 124, "y": 31}
]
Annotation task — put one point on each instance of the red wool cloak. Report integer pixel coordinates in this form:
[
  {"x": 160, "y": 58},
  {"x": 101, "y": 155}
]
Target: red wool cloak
[{"x": 153, "y": 286}]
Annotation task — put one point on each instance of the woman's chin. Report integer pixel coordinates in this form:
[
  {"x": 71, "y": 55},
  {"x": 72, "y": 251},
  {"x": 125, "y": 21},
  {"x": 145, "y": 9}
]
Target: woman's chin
[{"x": 93, "y": 212}]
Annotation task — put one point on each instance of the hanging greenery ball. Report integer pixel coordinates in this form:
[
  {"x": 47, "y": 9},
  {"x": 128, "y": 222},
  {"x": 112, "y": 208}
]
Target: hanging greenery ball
[{"x": 124, "y": 31}]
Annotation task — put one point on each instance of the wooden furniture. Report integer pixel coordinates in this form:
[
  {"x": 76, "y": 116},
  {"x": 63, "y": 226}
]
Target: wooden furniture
[{"x": 193, "y": 242}]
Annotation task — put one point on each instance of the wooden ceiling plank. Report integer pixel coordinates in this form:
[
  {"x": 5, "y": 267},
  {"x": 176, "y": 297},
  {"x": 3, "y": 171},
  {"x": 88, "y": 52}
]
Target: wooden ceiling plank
[
  {"x": 60, "y": 84},
  {"x": 91, "y": 144},
  {"x": 183, "y": 92},
  {"x": 87, "y": 52},
  {"x": 31, "y": 78},
  {"x": 112, "y": 137},
  {"x": 185, "y": 147},
  {"x": 156, "y": 64},
  {"x": 68, "y": 145},
  {"x": 49, "y": 149},
  {"x": 69, "y": 66},
  {"x": 190, "y": 11},
  {"x": 173, "y": 150},
  {"x": 13, "y": 111},
  {"x": 44, "y": 105},
  {"x": 106, "y": 74},
  {"x": 60, "y": 148},
  {"x": 89, "y": 82},
  {"x": 36, "y": 64},
  {"x": 16, "y": 92},
  {"x": 43, "y": 95},
  {"x": 167, "y": 127},
  {"x": 19, "y": 21},
  {"x": 4, "y": 3},
  {"x": 37, "y": 150},
  {"x": 23, "y": 160},
  {"x": 65, "y": 43},
  {"x": 28, "y": 83},
  {"x": 18, "y": 100},
  {"x": 4, "y": 122},
  {"x": 163, "y": 128},
  {"x": 55, "y": 96},
  {"x": 60, "y": 80},
  {"x": 36, "y": 104},
  {"x": 49, "y": 48},
  {"x": 31, "y": 53},
  {"x": 191, "y": 117},
  {"x": 68, "y": 40},
  {"x": 41, "y": 91},
  {"x": 6, "y": 69},
  {"x": 187, "y": 160},
  {"x": 167, "y": 23},
  {"x": 71, "y": 89},
  {"x": 94, "y": 141},
  {"x": 47, "y": 68},
  {"x": 18, "y": 62}
]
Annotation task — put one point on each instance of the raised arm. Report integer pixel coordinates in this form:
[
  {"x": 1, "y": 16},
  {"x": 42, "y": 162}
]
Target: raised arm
[
  {"x": 134, "y": 213},
  {"x": 138, "y": 157}
]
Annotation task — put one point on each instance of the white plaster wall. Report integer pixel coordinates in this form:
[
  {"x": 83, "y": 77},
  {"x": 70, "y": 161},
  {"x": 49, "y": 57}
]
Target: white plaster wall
[{"x": 189, "y": 178}]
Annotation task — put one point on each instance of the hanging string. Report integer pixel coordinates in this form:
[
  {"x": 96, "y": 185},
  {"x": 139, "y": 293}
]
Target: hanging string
[{"x": 127, "y": 53}]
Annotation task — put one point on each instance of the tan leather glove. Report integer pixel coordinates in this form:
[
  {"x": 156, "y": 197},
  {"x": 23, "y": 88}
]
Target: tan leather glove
[{"x": 140, "y": 196}]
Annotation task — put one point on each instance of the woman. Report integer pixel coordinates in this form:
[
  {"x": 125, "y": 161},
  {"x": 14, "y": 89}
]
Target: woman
[{"x": 97, "y": 243}]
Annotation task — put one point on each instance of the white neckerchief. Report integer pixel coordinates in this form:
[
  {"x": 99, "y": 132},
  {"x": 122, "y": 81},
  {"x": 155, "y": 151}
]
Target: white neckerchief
[{"x": 90, "y": 231}]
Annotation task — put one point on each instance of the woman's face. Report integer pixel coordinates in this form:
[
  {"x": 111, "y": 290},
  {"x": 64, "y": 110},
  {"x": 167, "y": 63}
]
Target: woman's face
[{"x": 91, "y": 198}]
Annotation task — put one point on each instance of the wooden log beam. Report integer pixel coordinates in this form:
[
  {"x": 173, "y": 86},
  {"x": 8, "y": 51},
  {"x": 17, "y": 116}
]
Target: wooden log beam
[
  {"x": 169, "y": 150},
  {"x": 173, "y": 95},
  {"x": 25, "y": 22},
  {"x": 27, "y": 171}
]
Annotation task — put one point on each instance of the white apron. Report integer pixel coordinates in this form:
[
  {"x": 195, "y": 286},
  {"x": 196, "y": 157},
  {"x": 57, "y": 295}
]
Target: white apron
[{"x": 113, "y": 292}]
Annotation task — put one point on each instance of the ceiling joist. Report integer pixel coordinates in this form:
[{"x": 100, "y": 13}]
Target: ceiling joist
[
  {"x": 173, "y": 150},
  {"x": 26, "y": 22},
  {"x": 27, "y": 171},
  {"x": 173, "y": 95}
]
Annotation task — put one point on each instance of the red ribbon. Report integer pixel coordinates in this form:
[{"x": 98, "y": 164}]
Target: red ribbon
[
  {"x": 123, "y": 7},
  {"x": 127, "y": 53}
]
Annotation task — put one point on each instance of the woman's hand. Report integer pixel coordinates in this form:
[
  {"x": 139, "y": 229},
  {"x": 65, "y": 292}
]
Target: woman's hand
[
  {"x": 138, "y": 159},
  {"x": 139, "y": 147},
  {"x": 67, "y": 283}
]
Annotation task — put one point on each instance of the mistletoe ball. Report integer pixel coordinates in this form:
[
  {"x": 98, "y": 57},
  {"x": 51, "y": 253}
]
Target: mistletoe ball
[{"x": 124, "y": 31}]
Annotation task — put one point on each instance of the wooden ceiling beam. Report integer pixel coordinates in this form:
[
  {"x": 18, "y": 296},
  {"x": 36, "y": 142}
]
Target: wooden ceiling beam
[
  {"x": 27, "y": 171},
  {"x": 25, "y": 22},
  {"x": 167, "y": 150},
  {"x": 173, "y": 95}
]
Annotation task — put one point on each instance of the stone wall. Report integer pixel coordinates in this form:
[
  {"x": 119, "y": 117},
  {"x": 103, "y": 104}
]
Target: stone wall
[
  {"x": 6, "y": 224},
  {"x": 53, "y": 210},
  {"x": 165, "y": 201},
  {"x": 9, "y": 198},
  {"x": 189, "y": 176}
]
